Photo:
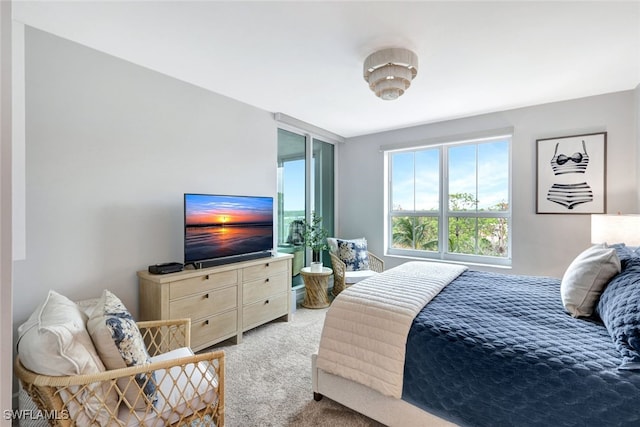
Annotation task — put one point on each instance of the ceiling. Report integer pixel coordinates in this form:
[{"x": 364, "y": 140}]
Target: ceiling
[{"x": 304, "y": 59}]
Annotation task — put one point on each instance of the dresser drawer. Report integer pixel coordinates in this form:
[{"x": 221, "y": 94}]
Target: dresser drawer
[
  {"x": 266, "y": 269},
  {"x": 264, "y": 310},
  {"x": 203, "y": 305},
  {"x": 263, "y": 288},
  {"x": 221, "y": 301},
  {"x": 204, "y": 283},
  {"x": 208, "y": 331}
]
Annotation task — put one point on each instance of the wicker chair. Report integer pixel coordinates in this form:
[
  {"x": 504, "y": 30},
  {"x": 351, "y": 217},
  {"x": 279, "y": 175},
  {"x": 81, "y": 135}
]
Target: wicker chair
[
  {"x": 342, "y": 278},
  {"x": 189, "y": 390}
]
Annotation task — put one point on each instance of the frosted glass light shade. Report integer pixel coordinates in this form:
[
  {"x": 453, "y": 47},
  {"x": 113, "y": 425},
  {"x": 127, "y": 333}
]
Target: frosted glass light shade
[{"x": 616, "y": 229}]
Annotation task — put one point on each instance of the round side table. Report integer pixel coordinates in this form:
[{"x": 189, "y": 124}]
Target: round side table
[{"x": 316, "y": 285}]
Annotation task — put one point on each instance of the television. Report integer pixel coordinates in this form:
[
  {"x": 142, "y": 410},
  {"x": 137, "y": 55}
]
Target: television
[{"x": 220, "y": 229}]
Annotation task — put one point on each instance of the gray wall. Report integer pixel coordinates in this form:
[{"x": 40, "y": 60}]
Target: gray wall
[
  {"x": 6, "y": 289},
  {"x": 111, "y": 148},
  {"x": 542, "y": 244}
]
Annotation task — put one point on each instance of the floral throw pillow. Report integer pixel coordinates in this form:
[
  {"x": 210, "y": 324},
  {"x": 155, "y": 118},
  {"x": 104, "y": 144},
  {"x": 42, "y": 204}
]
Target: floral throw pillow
[
  {"x": 120, "y": 344},
  {"x": 354, "y": 254}
]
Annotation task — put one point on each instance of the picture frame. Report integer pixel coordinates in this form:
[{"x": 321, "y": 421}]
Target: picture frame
[{"x": 571, "y": 174}]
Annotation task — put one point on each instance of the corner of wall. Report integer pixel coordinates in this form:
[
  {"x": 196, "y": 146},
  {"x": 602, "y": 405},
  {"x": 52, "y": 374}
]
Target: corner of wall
[
  {"x": 637, "y": 118},
  {"x": 6, "y": 272}
]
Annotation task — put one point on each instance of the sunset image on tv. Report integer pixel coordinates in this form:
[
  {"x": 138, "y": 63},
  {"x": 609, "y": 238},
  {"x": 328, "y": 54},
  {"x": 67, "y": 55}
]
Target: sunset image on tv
[{"x": 221, "y": 226}]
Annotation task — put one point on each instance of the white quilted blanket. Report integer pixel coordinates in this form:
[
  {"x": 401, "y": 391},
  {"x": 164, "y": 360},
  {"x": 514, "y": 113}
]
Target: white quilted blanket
[{"x": 365, "y": 330}]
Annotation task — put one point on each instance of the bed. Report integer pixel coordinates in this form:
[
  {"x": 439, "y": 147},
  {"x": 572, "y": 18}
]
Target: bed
[{"x": 487, "y": 349}]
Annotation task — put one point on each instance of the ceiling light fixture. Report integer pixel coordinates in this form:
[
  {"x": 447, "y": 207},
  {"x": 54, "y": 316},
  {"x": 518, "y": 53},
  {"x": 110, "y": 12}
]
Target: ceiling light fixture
[{"x": 389, "y": 71}]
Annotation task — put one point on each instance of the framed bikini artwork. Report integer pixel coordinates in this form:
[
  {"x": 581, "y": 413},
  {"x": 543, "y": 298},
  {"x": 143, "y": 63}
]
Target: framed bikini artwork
[{"x": 572, "y": 174}]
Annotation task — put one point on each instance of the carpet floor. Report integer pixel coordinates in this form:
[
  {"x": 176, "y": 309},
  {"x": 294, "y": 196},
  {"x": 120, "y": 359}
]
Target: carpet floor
[{"x": 268, "y": 378}]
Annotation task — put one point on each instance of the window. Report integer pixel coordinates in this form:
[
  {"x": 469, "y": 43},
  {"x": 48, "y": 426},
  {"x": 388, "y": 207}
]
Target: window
[
  {"x": 450, "y": 201},
  {"x": 305, "y": 186}
]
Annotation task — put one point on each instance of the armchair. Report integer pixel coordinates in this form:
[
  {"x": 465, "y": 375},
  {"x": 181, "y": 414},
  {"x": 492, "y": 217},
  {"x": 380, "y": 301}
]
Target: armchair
[
  {"x": 344, "y": 277},
  {"x": 189, "y": 388}
]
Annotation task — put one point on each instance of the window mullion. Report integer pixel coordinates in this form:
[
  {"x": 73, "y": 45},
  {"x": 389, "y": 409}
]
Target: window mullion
[
  {"x": 413, "y": 219},
  {"x": 389, "y": 213},
  {"x": 443, "y": 245},
  {"x": 476, "y": 246},
  {"x": 414, "y": 182}
]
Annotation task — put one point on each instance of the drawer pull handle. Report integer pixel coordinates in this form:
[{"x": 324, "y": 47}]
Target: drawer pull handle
[
  {"x": 206, "y": 296},
  {"x": 206, "y": 322},
  {"x": 206, "y": 277},
  {"x": 266, "y": 265},
  {"x": 266, "y": 280},
  {"x": 266, "y": 302}
]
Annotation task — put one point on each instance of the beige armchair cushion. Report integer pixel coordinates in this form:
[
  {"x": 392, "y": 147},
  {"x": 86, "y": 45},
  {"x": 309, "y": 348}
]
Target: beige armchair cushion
[
  {"x": 180, "y": 391},
  {"x": 351, "y": 277}
]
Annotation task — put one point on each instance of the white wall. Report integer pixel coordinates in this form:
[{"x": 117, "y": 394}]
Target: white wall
[
  {"x": 542, "y": 244},
  {"x": 637, "y": 109},
  {"x": 6, "y": 360},
  {"x": 110, "y": 149}
]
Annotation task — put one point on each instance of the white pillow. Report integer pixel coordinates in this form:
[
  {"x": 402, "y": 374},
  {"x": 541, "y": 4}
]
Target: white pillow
[
  {"x": 54, "y": 341},
  {"x": 180, "y": 391},
  {"x": 586, "y": 278},
  {"x": 177, "y": 384},
  {"x": 332, "y": 242},
  {"x": 87, "y": 305}
]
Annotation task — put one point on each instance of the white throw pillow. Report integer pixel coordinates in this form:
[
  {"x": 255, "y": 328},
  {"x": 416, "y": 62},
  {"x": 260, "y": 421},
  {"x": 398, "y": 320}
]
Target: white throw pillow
[
  {"x": 54, "y": 341},
  {"x": 177, "y": 384},
  {"x": 180, "y": 391},
  {"x": 87, "y": 305},
  {"x": 586, "y": 278},
  {"x": 332, "y": 242}
]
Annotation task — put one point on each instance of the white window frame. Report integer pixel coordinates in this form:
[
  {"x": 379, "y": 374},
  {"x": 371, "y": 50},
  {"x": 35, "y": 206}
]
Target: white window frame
[{"x": 443, "y": 214}]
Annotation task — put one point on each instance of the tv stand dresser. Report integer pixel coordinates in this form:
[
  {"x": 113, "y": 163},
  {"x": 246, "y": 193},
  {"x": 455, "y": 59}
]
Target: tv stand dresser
[{"x": 222, "y": 301}]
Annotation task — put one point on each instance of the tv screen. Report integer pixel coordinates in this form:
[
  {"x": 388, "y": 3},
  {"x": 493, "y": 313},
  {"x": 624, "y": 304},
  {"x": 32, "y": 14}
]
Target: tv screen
[{"x": 223, "y": 228}]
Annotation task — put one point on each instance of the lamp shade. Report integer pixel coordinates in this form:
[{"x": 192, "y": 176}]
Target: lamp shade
[
  {"x": 389, "y": 72},
  {"x": 616, "y": 229}
]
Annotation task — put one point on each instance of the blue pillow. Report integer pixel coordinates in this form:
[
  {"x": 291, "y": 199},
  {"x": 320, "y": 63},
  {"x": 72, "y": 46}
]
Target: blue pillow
[
  {"x": 619, "y": 309},
  {"x": 354, "y": 254},
  {"x": 625, "y": 253}
]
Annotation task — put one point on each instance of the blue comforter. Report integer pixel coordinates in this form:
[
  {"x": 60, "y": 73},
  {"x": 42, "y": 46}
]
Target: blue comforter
[{"x": 499, "y": 350}]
